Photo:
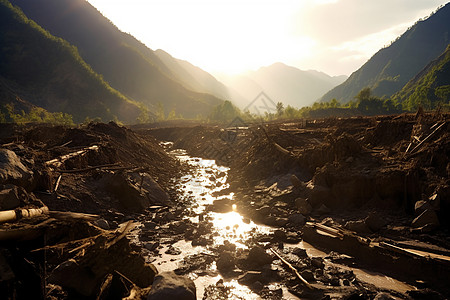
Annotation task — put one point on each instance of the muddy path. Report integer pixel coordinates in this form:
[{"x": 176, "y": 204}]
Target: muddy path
[
  {"x": 352, "y": 208},
  {"x": 228, "y": 256}
]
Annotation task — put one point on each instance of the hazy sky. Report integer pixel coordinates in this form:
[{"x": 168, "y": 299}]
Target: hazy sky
[{"x": 232, "y": 36}]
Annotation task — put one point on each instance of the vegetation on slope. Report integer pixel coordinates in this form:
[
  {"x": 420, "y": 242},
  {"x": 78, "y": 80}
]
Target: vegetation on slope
[
  {"x": 127, "y": 64},
  {"x": 392, "y": 67},
  {"x": 48, "y": 72},
  {"x": 430, "y": 88}
]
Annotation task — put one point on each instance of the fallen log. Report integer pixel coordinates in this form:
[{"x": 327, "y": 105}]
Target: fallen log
[
  {"x": 57, "y": 162},
  {"x": 13, "y": 215},
  {"x": 107, "y": 166},
  {"x": 303, "y": 280}
]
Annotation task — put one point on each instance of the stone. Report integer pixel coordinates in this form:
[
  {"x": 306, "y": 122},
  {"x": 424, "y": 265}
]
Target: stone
[
  {"x": 297, "y": 219},
  {"x": 421, "y": 206},
  {"x": 383, "y": 296},
  {"x": 374, "y": 221},
  {"x": 428, "y": 217},
  {"x": 103, "y": 224},
  {"x": 258, "y": 257},
  {"x": 299, "y": 252},
  {"x": 10, "y": 196},
  {"x": 303, "y": 206},
  {"x": 297, "y": 183},
  {"x": 279, "y": 235},
  {"x": 358, "y": 226},
  {"x": 225, "y": 262},
  {"x": 154, "y": 192},
  {"x": 70, "y": 274},
  {"x": 263, "y": 211},
  {"x": 168, "y": 285},
  {"x": 307, "y": 275},
  {"x": 317, "y": 263},
  {"x": 318, "y": 194},
  {"x": 323, "y": 209},
  {"x": 222, "y": 205},
  {"x": 13, "y": 171},
  {"x": 151, "y": 246}
]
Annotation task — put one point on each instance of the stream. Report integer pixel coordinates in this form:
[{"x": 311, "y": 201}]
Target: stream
[{"x": 204, "y": 185}]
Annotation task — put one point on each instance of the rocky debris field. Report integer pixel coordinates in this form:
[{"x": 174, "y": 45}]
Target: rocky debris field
[{"x": 353, "y": 208}]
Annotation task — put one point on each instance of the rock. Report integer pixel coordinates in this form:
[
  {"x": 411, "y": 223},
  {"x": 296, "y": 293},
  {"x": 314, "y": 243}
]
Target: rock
[
  {"x": 297, "y": 183},
  {"x": 150, "y": 225},
  {"x": 421, "y": 206},
  {"x": 168, "y": 285},
  {"x": 318, "y": 194},
  {"x": 374, "y": 221},
  {"x": 317, "y": 263},
  {"x": 299, "y": 252},
  {"x": 297, "y": 219},
  {"x": 263, "y": 211},
  {"x": 280, "y": 222},
  {"x": 308, "y": 275},
  {"x": 323, "y": 209},
  {"x": 128, "y": 194},
  {"x": 13, "y": 171},
  {"x": 10, "y": 196},
  {"x": 151, "y": 246},
  {"x": 279, "y": 235},
  {"x": 258, "y": 257},
  {"x": 428, "y": 217},
  {"x": 383, "y": 296},
  {"x": 225, "y": 262},
  {"x": 70, "y": 274},
  {"x": 303, "y": 206},
  {"x": 222, "y": 205},
  {"x": 154, "y": 192},
  {"x": 103, "y": 224},
  {"x": 359, "y": 226},
  {"x": 6, "y": 273}
]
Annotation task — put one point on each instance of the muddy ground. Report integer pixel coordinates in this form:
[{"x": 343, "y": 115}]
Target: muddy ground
[{"x": 370, "y": 193}]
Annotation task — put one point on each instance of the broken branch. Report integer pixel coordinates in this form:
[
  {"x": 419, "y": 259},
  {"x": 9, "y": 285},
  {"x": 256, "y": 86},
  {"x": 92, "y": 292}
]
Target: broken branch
[{"x": 306, "y": 283}]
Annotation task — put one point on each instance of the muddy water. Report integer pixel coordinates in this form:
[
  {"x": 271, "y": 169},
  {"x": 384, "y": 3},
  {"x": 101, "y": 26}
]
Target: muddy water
[{"x": 206, "y": 181}]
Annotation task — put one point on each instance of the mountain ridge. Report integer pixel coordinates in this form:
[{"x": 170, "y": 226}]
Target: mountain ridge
[{"x": 389, "y": 69}]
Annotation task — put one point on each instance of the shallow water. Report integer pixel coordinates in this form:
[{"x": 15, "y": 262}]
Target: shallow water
[{"x": 207, "y": 179}]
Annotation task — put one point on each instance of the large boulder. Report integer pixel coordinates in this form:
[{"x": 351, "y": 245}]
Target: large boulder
[
  {"x": 13, "y": 171},
  {"x": 9, "y": 197},
  {"x": 303, "y": 206},
  {"x": 428, "y": 218},
  {"x": 128, "y": 194},
  {"x": 154, "y": 192},
  {"x": 168, "y": 285},
  {"x": 258, "y": 257}
]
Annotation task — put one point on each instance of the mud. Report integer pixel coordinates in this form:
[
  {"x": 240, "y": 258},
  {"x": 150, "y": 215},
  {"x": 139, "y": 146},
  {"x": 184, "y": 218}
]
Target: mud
[{"x": 351, "y": 208}]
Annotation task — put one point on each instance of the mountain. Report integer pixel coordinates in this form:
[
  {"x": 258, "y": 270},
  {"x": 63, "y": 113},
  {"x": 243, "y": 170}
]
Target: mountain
[
  {"x": 193, "y": 77},
  {"x": 392, "y": 67},
  {"x": 285, "y": 84},
  {"x": 430, "y": 86},
  {"x": 38, "y": 69},
  {"x": 124, "y": 62}
]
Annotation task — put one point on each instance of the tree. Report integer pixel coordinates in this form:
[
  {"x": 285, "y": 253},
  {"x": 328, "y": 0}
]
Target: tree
[{"x": 280, "y": 109}]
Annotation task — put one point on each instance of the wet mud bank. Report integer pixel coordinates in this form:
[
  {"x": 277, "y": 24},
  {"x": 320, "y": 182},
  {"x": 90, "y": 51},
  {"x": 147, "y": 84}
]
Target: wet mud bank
[
  {"x": 372, "y": 192},
  {"x": 320, "y": 209}
]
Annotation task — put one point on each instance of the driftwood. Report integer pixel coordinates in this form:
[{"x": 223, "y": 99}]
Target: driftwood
[
  {"x": 13, "y": 215},
  {"x": 68, "y": 215},
  {"x": 57, "y": 162},
  {"x": 107, "y": 166},
  {"x": 426, "y": 138},
  {"x": 303, "y": 280}
]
